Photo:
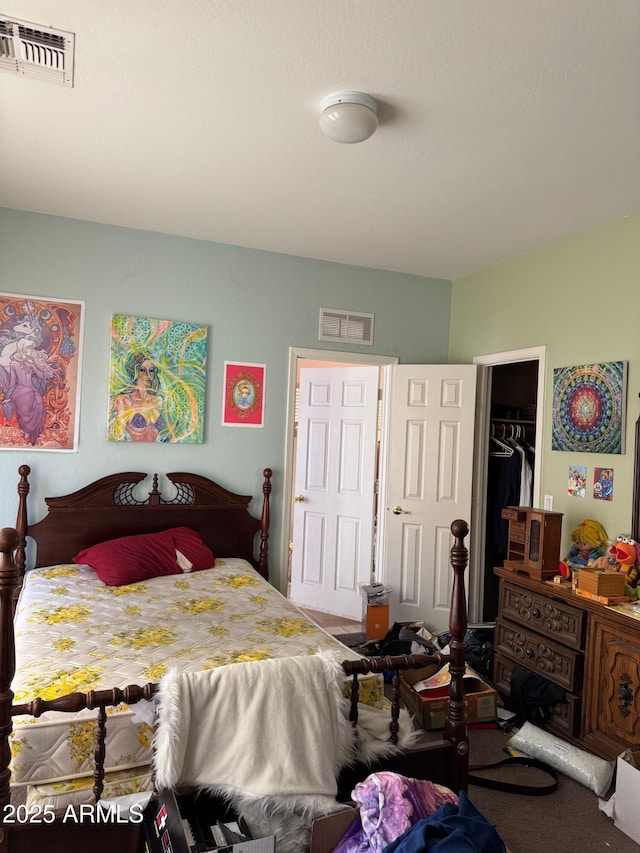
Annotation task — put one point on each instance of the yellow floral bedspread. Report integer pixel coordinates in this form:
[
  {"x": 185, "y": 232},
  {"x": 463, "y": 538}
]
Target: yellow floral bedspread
[{"x": 75, "y": 633}]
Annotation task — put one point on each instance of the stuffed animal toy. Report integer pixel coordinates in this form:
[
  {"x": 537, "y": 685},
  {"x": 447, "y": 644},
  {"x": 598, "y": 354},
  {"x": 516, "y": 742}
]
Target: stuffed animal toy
[
  {"x": 624, "y": 556},
  {"x": 589, "y": 540}
]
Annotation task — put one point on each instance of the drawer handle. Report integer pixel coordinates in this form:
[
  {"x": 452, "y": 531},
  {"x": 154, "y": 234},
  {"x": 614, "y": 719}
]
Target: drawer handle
[
  {"x": 528, "y": 653},
  {"x": 535, "y": 612},
  {"x": 625, "y": 696}
]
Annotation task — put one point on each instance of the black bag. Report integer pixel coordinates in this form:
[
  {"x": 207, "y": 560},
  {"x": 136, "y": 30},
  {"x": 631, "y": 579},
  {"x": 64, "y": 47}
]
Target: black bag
[
  {"x": 533, "y": 696},
  {"x": 389, "y": 645},
  {"x": 479, "y": 651}
]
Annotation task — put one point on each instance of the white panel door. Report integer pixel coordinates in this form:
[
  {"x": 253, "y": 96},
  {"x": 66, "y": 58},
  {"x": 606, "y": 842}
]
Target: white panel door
[
  {"x": 334, "y": 500},
  {"x": 430, "y": 463}
]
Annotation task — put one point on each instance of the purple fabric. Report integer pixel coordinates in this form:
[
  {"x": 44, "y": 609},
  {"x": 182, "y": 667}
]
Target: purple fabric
[{"x": 388, "y": 805}]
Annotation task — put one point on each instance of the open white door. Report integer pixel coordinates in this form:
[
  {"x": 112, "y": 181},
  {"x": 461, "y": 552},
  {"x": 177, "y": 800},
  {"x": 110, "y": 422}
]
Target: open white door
[
  {"x": 429, "y": 484},
  {"x": 334, "y": 498}
]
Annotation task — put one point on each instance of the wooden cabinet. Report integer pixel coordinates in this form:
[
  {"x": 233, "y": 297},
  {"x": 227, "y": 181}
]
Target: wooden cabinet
[
  {"x": 546, "y": 636},
  {"x": 533, "y": 543},
  {"x": 591, "y": 651},
  {"x": 612, "y": 718}
]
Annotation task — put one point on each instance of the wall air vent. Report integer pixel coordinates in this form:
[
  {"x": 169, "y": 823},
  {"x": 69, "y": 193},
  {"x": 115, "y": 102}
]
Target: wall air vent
[
  {"x": 346, "y": 326},
  {"x": 34, "y": 51}
]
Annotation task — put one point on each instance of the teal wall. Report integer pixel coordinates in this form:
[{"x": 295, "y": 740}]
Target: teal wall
[
  {"x": 256, "y": 304},
  {"x": 578, "y": 297},
  {"x": 581, "y": 299}
]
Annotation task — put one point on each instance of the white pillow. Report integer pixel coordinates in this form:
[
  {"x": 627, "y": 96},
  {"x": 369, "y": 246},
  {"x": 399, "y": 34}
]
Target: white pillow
[{"x": 185, "y": 564}]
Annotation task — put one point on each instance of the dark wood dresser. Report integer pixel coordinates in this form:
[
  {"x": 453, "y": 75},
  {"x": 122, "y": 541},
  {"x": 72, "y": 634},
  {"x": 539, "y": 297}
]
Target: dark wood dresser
[{"x": 581, "y": 645}]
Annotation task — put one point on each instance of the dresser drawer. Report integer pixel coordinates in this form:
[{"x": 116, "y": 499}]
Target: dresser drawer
[
  {"x": 564, "y": 718},
  {"x": 559, "y": 664},
  {"x": 544, "y": 615},
  {"x": 517, "y": 531},
  {"x": 514, "y": 513}
]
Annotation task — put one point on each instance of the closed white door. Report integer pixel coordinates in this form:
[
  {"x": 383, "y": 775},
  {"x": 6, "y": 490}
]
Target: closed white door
[
  {"x": 429, "y": 484},
  {"x": 334, "y": 492}
]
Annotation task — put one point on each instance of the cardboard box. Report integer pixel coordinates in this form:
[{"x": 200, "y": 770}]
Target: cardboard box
[
  {"x": 169, "y": 821},
  {"x": 327, "y": 831},
  {"x": 375, "y": 610},
  {"x": 376, "y": 621},
  {"x": 626, "y": 815},
  {"x": 430, "y": 711},
  {"x": 607, "y": 584}
]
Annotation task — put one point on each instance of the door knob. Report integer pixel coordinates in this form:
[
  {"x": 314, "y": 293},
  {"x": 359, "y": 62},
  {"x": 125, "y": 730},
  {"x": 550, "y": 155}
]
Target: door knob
[
  {"x": 299, "y": 499},
  {"x": 397, "y": 510}
]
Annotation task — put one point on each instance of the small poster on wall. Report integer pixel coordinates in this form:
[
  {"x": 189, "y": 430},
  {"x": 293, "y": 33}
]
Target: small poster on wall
[
  {"x": 156, "y": 380},
  {"x": 589, "y": 407},
  {"x": 603, "y": 484},
  {"x": 40, "y": 358},
  {"x": 243, "y": 402},
  {"x": 577, "y": 483}
]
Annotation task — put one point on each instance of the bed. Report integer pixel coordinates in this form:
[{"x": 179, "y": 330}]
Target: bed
[{"x": 108, "y": 709}]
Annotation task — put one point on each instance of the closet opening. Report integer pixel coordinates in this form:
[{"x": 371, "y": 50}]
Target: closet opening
[{"x": 511, "y": 462}]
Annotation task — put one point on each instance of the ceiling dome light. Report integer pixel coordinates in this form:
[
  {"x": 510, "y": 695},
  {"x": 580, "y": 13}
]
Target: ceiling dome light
[{"x": 349, "y": 116}]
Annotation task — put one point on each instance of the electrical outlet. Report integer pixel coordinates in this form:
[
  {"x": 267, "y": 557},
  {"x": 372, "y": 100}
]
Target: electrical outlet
[{"x": 548, "y": 502}]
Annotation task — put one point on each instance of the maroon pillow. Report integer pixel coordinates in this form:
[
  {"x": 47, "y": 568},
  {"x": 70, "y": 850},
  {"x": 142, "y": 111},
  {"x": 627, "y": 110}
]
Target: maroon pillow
[
  {"x": 191, "y": 543},
  {"x": 132, "y": 558}
]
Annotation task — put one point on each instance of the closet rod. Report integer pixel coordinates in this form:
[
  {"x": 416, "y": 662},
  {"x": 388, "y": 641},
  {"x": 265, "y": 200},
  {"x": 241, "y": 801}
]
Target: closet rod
[{"x": 525, "y": 421}]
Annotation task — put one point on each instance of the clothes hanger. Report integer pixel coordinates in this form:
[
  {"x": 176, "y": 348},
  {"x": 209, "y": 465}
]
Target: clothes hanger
[
  {"x": 514, "y": 439},
  {"x": 504, "y": 451}
]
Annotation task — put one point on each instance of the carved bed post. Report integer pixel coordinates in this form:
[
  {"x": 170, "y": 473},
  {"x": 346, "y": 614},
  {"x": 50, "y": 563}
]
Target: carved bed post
[
  {"x": 264, "y": 525},
  {"x": 9, "y": 576},
  {"x": 21, "y": 518},
  {"x": 455, "y": 727}
]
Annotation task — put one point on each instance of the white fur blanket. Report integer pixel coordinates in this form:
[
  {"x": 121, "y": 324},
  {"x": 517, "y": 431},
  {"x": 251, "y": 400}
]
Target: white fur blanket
[{"x": 272, "y": 728}]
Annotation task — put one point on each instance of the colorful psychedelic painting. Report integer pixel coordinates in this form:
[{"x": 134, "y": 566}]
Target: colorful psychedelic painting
[
  {"x": 157, "y": 379},
  {"x": 589, "y": 407},
  {"x": 40, "y": 359}
]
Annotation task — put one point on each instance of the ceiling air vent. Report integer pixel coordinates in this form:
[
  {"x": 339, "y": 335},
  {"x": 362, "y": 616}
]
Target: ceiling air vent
[
  {"x": 345, "y": 326},
  {"x": 35, "y": 51}
]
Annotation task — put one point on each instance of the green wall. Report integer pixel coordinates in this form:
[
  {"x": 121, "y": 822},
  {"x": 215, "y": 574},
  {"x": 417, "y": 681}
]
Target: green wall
[
  {"x": 256, "y": 304},
  {"x": 581, "y": 299}
]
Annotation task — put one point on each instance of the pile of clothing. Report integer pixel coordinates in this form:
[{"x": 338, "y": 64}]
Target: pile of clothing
[{"x": 405, "y": 815}]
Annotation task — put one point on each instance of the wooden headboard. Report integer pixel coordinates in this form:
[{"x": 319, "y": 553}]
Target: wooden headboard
[{"x": 107, "y": 509}]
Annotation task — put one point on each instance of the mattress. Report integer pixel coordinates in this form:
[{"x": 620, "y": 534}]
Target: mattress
[{"x": 73, "y": 633}]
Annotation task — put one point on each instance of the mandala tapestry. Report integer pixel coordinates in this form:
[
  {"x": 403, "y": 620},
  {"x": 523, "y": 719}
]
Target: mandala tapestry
[{"x": 589, "y": 407}]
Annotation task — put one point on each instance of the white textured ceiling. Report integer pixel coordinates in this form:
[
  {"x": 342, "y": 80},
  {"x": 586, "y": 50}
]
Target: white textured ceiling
[{"x": 504, "y": 124}]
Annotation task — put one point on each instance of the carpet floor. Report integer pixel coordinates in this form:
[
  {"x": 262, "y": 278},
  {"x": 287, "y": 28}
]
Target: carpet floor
[
  {"x": 566, "y": 821},
  {"x": 351, "y": 640}
]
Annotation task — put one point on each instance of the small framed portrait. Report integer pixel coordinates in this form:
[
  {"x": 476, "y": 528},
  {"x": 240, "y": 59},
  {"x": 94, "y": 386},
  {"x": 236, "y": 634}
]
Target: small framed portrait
[{"x": 243, "y": 400}]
